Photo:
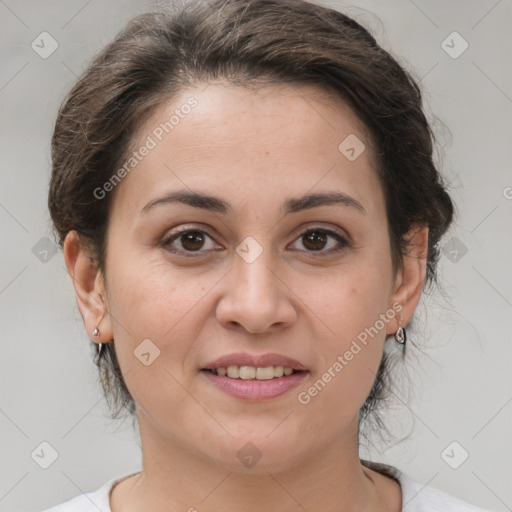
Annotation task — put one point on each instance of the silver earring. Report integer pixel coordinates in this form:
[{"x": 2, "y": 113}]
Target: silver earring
[
  {"x": 96, "y": 332},
  {"x": 401, "y": 336}
]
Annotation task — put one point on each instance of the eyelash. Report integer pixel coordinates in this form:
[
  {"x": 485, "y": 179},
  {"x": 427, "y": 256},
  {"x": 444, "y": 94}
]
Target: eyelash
[{"x": 342, "y": 241}]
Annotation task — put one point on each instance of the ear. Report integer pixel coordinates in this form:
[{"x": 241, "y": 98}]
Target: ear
[
  {"x": 410, "y": 280},
  {"x": 89, "y": 287}
]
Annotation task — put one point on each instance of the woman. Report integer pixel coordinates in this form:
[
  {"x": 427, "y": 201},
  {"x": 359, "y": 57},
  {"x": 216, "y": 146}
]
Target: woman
[{"x": 249, "y": 212}]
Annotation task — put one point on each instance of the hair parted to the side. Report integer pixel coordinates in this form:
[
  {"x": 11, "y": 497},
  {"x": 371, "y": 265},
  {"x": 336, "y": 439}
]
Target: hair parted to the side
[{"x": 241, "y": 42}]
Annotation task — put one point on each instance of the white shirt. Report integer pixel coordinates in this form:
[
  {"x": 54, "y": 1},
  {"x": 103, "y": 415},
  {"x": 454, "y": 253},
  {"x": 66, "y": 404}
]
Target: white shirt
[{"x": 415, "y": 497}]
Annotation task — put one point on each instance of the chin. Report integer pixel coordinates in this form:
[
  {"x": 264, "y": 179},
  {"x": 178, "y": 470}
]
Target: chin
[{"x": 258, "y": 454}]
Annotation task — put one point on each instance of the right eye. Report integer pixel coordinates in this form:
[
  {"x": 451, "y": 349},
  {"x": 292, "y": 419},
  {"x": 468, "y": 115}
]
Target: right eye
[{"x": 188, "y": 241}]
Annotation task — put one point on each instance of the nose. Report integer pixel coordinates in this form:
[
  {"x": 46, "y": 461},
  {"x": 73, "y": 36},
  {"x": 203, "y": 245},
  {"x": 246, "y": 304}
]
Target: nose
[{"x": 255, "y": 297}]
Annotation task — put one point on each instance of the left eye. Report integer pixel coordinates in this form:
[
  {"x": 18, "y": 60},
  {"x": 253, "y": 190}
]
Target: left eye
[{"x": 314, "y": 240}]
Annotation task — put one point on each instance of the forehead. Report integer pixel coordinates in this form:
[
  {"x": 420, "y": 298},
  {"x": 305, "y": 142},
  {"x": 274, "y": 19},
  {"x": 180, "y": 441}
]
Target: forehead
[{"x": 242, "y": 142}]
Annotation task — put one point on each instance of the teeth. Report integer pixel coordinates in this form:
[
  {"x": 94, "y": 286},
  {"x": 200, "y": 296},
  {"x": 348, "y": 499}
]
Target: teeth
[
  {"x": 266, "y": 373},
  {"x": 251, "y": 372},
  {"x": 279, "y": 371},
  {"x": 247, "y": 372},
  {"x": 234, "y": 372}
]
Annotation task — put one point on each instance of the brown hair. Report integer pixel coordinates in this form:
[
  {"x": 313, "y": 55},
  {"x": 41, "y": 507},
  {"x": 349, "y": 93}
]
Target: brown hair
[{"x": 242, "y": 42}]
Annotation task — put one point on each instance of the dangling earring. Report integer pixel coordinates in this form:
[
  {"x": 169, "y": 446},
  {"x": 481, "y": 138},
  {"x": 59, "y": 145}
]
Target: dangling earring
[
  {"x": 400, "y": 334},
  {"x": 96, "y": 332}
]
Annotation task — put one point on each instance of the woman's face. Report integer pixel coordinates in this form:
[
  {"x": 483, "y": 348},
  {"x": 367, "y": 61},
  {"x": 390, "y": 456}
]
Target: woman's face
[{"x": 268, "y": 267}]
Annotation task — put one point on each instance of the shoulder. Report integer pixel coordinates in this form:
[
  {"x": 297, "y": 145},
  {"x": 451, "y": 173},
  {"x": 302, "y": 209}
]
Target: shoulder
[
  {"x": 89, "y": 501},
  {"x": 420, "y": 498},
  {"x": 417, "y": 497}
]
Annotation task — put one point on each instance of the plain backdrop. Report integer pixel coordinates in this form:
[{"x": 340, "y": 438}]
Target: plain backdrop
[{"x": 453, "y": 414}]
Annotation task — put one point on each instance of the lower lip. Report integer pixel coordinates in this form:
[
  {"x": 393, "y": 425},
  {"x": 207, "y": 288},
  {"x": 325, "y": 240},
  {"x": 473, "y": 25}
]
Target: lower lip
[{"x": 256, "y": 389}]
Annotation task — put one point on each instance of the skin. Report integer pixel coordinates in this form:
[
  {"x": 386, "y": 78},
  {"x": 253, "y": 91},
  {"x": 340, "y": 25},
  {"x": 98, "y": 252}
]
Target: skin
[{"x": 254, "y": 149}]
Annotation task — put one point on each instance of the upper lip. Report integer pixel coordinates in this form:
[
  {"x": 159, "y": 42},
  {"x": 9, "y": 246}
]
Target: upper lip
[{"x": 261, "y": 360}]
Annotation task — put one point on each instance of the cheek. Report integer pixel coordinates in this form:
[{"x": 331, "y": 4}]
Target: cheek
[
  {"x": 354, "y": 305},
  {"x": 150, "y": 299},
  {"x": 353, "y": 297},
  {"x": 155, "y": 312},
  {"x": 350, "y": 360}
]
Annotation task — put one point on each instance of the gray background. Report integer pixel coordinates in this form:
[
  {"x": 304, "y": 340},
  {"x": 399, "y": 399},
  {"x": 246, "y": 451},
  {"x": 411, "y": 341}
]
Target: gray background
[{"x": 461, "y": 377}]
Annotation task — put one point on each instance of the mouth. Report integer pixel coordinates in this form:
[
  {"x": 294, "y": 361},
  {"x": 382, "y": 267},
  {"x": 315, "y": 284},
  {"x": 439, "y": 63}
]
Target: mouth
[
  {"x": 254, "y": 383},
  {"x": 254, "y": 376}
]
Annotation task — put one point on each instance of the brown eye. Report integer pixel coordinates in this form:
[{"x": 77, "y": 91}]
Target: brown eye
[
  {"x": 190, "y": 241},
  {"x": 316, "y": 240}
]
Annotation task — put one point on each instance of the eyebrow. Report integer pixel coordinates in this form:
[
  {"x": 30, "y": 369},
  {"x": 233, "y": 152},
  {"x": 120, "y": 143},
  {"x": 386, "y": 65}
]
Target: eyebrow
[{"x": 217, "y": 205}]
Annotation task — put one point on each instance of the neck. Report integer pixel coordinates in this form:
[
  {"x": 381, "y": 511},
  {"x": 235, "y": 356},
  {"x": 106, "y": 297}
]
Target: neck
[{"x": 175, "y": 478}]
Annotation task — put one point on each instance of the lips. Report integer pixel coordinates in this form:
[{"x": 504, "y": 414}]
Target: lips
[
  {"x": 257, "y": 361},
  {"x": 255, "y": 377}
]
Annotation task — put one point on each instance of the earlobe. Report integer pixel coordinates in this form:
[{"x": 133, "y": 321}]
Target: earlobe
[
  {"x": 411, "y": 278},
  {"x": 89, "y": 288}
]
